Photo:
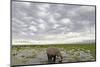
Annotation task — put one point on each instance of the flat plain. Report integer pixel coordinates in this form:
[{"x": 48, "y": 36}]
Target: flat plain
[{"x": 36, "y": 54}]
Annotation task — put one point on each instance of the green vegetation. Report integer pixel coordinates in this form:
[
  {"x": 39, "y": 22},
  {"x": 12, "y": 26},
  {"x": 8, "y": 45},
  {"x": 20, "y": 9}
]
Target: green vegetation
[
  {"x": 91, "y": 47},
  {"x": 36, "y": 54}
]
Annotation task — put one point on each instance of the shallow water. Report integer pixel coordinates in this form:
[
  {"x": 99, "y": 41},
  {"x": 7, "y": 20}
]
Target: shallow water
[{"x": 38, "y": 56}]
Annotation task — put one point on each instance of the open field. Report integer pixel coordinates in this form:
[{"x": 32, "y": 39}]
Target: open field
[{"x": 36, "y": 54}]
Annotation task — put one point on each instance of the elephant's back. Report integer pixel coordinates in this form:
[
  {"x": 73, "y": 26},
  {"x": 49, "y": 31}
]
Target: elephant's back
[{"x": 52, "y": 51}]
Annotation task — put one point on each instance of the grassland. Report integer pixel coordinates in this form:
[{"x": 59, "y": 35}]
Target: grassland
[{"x": 35, "y": 54}]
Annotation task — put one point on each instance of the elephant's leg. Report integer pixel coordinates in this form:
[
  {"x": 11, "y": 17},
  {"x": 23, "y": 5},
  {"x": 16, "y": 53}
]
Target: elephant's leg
[
  {"x": 54, "y": 59},
  {"x": 49, "y": 58}
]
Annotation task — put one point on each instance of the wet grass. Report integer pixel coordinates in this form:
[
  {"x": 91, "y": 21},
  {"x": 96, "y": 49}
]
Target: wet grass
[
  {"x": 33, "y": 54},
  {"x": 91, "y": 47}
]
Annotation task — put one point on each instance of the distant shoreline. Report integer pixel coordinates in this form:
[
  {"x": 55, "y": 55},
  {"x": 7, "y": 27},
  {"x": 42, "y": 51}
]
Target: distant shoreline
[{"x": 53, "y": 44}]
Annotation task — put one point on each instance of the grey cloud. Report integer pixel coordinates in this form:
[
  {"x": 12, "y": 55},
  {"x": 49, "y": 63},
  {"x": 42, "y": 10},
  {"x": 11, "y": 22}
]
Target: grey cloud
[{"x": 34, "y": 14}]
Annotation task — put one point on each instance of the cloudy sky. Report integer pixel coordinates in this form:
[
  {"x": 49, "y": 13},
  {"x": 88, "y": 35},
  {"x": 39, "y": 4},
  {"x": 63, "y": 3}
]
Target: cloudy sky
[{"x": 45, "y": 23}]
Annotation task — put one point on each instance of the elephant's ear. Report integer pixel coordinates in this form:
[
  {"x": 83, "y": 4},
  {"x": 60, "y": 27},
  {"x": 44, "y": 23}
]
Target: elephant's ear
[{"x": 58, "y": 54}]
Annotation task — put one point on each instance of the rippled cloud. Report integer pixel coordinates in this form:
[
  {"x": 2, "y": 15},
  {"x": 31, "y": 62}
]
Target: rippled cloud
[{"x": 52, "y": 22}]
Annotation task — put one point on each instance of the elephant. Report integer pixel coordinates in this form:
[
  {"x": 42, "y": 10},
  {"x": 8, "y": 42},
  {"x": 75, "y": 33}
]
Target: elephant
[{"x": 53, "y": 54}]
